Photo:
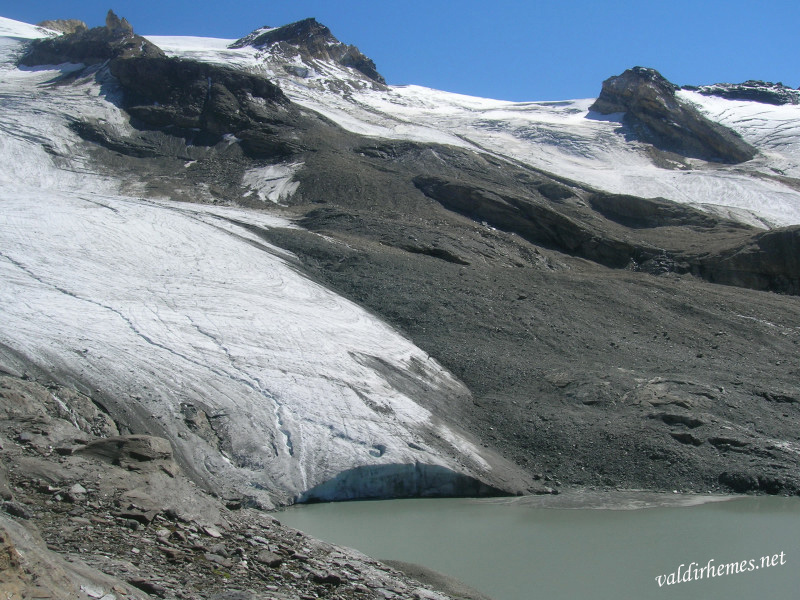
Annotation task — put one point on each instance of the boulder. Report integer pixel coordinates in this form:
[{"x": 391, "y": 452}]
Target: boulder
[
  {"x": 265, "y": 557},
  {"x": 134, "y": 452}
]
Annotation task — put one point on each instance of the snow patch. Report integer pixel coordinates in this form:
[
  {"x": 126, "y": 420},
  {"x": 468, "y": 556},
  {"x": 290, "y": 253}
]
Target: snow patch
[{"x": 274, "y": 182}]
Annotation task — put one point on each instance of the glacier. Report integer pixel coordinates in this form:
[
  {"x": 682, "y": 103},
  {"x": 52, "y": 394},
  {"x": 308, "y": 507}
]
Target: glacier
[{"x": 182, "y": 319}]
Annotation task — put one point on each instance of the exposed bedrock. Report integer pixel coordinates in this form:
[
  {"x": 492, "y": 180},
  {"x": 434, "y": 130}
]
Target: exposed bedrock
[
  {"x": 536, "y": 222},
  {"x": 765, "y": 92},
  {"x": 652, "y": 235},
  {"x": 64, "y": 25},
  {"x": 189, "y": 95},
  {"x": 653, "y": 114},
  {"x": 768, "y": 261},
  {"x": 198, "y": 101},
  {"x": 647, "y": 213}
]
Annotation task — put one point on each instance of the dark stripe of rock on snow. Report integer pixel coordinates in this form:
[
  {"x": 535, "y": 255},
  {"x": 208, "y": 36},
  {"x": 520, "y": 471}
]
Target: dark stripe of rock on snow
[{"x": 765, "y": 92}]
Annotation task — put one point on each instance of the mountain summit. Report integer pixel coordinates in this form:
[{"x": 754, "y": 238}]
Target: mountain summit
[
  {"x": 90, "y": 46},
  {"x": 311, "y": 40}
]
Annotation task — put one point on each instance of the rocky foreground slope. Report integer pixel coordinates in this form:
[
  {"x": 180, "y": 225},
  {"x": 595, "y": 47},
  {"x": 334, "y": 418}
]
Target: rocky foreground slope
[{"x": 91, "y": 514}]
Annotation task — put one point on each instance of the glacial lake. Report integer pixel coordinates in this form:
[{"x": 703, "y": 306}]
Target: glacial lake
[{"x": 581, "y": 545}]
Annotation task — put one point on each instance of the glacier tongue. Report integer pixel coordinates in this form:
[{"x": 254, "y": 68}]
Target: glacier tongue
[
  {"x": 191, "y": 326},
  {"x": 184, "y": 323}
]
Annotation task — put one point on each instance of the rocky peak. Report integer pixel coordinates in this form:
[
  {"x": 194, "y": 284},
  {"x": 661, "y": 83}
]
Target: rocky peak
[
  {"x": 91, "y": 46},
  {"x": 313, "y": 41},
  {"x": 116, "y": 26},
  {"x": 654, "y": 114},
  {"x": 639, "y": 85},
  {"x": 64, "y": 25},
  {"x": 309, "y": 33},
  {"x": 765, "y": 92}
]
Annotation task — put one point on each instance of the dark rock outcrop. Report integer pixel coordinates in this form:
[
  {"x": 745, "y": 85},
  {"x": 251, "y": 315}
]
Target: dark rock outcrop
[
  {"x": 92, "y": 46},
  {"x": 536, "y": 222},
  {"x": 768, "y": 261},
  {"x": 191, "y": 99},
  {"x": 654, "y": 114},
  {"x": 645, "y": 213},
  {"x": 312, "y": 40},
  {"x": 187, "y": 95},
  {"x": 765, "y": 92},
  {"x": 744, "y": 482}
]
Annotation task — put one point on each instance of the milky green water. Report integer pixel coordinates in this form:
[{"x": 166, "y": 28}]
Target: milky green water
[{"x": 534, "y": 548}]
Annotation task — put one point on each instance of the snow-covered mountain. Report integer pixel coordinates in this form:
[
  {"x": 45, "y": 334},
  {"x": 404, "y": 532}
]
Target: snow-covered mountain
[
  {"x": 181, "y": 218},
  {"x": 565, "y": 138}
]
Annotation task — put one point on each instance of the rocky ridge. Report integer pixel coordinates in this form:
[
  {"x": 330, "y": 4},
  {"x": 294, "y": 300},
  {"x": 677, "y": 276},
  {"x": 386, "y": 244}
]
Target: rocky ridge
[
  {"x": 90, "y": 46},
  {"x": 752, "y": 90}
]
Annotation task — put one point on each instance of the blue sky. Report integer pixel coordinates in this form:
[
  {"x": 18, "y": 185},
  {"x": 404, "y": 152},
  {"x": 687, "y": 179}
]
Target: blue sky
[{"x": 514, "y": 50}]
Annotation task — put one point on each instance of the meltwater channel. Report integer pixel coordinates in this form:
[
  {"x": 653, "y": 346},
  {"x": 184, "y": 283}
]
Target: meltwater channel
[{"x": 581, "y": 545}]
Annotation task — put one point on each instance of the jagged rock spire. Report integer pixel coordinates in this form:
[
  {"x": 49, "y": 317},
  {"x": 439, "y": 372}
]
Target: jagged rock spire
[
  {"x": 117, "y": 26},
  {"x": 96, "y": 45}
]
